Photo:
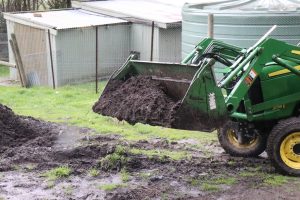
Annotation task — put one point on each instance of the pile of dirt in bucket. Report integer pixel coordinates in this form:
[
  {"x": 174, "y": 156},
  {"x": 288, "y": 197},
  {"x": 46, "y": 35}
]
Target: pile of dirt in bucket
[
  {"x": 144, "y": 100},
  {"x": 139, "y": 99}
]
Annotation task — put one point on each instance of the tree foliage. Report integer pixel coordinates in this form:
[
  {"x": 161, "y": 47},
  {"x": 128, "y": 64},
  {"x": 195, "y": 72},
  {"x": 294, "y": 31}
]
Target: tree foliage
[
  {"x": 27, "y": 5},
  {"x": 55, "y": 4}
]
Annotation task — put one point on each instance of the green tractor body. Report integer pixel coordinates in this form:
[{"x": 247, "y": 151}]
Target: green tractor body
[{"x": 257, "y": 90}]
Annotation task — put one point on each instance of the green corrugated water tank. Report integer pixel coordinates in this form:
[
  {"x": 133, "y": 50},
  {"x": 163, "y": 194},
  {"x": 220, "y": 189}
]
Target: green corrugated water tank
[{"x": 241, "y": 22}]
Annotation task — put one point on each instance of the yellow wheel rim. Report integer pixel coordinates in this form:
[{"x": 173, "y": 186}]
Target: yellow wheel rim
[
  {"x": 290, "y": 150},
  {"x": 234, "y": 140}
]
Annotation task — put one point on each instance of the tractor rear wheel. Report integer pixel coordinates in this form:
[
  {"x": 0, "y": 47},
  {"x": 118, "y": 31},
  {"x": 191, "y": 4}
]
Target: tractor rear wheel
[
  {"x": 283, "y": 146},
  {"x": 250, "y": 147}
]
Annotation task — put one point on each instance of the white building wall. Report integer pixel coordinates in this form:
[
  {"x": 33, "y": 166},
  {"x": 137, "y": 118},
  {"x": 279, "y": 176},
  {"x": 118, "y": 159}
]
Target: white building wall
[
  {"x": 76, "y": 52},
  {"x": 170, "y": 45},
  {"x": 114, "y": 47},
  {"x": 141, "y": 41}
]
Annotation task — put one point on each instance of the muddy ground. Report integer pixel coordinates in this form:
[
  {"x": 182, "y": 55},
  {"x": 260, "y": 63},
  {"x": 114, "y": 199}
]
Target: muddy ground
[
  {"x": 31, "y": 148},
  {"x": 145, "y": 100}
]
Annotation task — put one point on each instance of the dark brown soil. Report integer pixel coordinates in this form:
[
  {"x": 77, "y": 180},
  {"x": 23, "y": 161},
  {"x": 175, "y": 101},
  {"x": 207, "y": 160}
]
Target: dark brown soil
[
  {"x": 28, "y": 140},
  {"x": 15, "y": 130},
  {"x": 142, "y": 99},
  {"x": 21, "y": 138},
  {"x": 139, "y": 99}
]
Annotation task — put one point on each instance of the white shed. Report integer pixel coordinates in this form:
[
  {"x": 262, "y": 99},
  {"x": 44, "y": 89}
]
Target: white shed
[
  {"x": 166, "y": 16},
  {"x": 72, "y": 36}
]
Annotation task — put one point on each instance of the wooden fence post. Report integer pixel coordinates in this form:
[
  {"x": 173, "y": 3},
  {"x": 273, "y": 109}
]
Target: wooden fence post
[{"x": 19, "y": 63}]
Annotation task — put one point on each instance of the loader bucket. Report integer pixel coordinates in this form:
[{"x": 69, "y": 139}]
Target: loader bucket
[{"x": 200, "y": 103}]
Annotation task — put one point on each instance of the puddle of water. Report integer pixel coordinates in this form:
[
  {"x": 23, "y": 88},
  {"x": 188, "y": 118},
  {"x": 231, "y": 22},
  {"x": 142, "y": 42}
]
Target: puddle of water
[
  {"x": 16, "y": 185},
  {"x": 27, "y": 186}
]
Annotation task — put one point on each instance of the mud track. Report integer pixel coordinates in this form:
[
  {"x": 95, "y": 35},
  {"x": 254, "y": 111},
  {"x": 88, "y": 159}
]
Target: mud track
[{"x": 31, "y": 147}]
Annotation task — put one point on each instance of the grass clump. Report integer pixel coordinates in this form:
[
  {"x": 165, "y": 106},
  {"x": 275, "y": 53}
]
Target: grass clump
[
  {"x": 121, "y": 150},
  {"x": 115, "y": 161},
  {"x": 93, "y": 172},
  {"x": 267, "y": 179},
  {"x": 163, "y": 154},
  {"x": 57, "y": 173},
  {"x": 213, "y": 184},
  {"x": 224, "y": 181},
  {"x": 210, "y": 187},
  {"x": 110, "y": 187},
  {"x": 248, "y": 174},
  {"x": 276, "y": 180},
  {"x": 194, "y": 182},
  {"x": 125, "y": 176}
]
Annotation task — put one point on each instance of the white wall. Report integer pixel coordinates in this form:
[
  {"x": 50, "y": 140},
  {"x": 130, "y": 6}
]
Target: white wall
[
  {"x": 141, "y": 41},
  {"x": 170, "y": 45},
  {"x": 76, "y": 52}
]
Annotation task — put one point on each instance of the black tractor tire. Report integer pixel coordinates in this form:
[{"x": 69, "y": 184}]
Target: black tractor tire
[
  {"x": 231, "y": 146},
  {"x": 283, "y": 146}
]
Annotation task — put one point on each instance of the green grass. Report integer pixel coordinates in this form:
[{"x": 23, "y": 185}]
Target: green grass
[
  {"x": 57, "y": 173},
  {"x": 125, "y": 176},
  {"x": 93, "y": 172},
  {"x": 212, "y": 184},
  {"x": 267, "y": 179},
  {"x": 73, "y": 105},
  {"x": 224, "y": 181},
  {"x": 161, "y": 153},
  {"x": 116, "y": 160},
  {"x": 110, "y": 187},
  {"x": 4, "y": 71},
  {"x": 210, "y": 187},
  {"x": 276, "y": 180},
  {"x": 248, "y": 174}
]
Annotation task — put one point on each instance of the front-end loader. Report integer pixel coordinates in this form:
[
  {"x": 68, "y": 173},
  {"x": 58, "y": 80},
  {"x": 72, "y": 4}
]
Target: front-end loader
[{"x": 257, "y": 91}]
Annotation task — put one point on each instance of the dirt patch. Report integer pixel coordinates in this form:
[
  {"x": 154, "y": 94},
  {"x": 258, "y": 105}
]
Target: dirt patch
[
  {"x": 21, "y": 138},
  {"x": 25, "y": 140},
  {"x": 15, "y": 130},
  {"x": 30, "y": 147},
  {"x": 142, "y": 99}
]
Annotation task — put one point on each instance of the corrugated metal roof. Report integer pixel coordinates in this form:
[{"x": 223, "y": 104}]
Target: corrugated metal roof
[
  {"x": 151, "y": 10},
  {"x": 66, "y": 19}
]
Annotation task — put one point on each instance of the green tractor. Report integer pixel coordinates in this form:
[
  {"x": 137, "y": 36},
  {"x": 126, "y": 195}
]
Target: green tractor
[{"x": 255, "y": 89}]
